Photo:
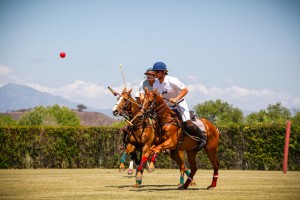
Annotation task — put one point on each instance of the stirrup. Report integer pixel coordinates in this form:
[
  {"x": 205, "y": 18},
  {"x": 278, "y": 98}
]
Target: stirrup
[{"x": 201, "y": 145}]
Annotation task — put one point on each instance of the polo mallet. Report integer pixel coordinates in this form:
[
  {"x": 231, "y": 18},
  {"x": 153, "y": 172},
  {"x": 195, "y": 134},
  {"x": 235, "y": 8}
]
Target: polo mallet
[
  {"x": 123, "y": 76},
  {"x": 130, "y": 122},
  {"x": 113, "y": 92}
]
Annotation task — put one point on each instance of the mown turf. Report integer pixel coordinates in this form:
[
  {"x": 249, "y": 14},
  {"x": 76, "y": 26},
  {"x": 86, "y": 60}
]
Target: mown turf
[{"x": 159, "y": 185}]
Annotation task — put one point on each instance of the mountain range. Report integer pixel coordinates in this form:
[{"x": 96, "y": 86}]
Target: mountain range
[{"x": 16, "y": 97}]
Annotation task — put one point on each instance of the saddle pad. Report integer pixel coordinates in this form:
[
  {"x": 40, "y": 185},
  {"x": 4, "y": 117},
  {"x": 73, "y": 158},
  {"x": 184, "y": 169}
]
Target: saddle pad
[{"x": 200, "y": 124}]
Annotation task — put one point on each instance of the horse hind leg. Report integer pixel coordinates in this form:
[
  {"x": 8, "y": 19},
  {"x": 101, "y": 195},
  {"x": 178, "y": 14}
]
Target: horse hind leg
[
  {"x": 130, "y": 169},
  {"x": 212, "y": 155},
  {"x": 188, "y": 172},
  {"x": 179, "y": 159},
  {"x": 192, "y": 161},
  {"x": 133, "y": 157}
]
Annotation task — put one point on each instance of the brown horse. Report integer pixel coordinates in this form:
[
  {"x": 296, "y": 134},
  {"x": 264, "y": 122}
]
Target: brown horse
[
  {"x": 143, "y": 133},
  {"x": 176, "y": 139}
]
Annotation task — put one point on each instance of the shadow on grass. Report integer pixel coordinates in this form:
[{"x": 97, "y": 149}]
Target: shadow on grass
[
  {"x": 129, "y": 176},
  {"x": 153, "y": 188}
]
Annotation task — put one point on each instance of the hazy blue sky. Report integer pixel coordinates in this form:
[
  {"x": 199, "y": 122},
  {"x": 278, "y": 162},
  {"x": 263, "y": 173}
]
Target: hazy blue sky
[{"x": 246, "y": 53}]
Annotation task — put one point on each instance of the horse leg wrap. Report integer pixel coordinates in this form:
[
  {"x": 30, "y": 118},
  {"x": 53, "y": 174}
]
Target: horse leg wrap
[
  {"x": 187, "y": 172},
  {"x": 181, "y": 180},
  {"x": 139, "y": 177},
  {"x": 214, "y": 181},
  {"x": 124, "y": 155},
  {"x": 154, "y": 157},
  {"x": 187, "y": 183},
  {"x": 144, "y": 159}
]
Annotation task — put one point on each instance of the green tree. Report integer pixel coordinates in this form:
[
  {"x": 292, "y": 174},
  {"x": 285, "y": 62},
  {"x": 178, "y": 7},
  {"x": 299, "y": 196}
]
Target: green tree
[
  {"x": 7, "y": 121},
  {"x": 274, "y": 114},
  {"x": 81, "y": 107},
  {"x": 219, "y": 112},
  {"x": 49, "y": 116},
  {"x": 296, "y": 119}
]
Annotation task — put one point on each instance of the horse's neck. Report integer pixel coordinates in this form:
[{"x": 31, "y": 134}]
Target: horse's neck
[
  {"x": 164, "y": 112},
  {"x": 134, "y": 110}
]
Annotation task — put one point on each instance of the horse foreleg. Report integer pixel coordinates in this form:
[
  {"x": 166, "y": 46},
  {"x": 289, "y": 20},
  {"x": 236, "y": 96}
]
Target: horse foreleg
[
  {"x": 145, "y": 158},
  {"x": 145, "y": 155},
  {"x": 151, "y": 165}
]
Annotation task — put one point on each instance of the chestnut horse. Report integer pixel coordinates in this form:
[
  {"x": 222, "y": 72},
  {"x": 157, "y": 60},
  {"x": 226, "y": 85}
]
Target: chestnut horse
[
  {"x": 143, "y": 133},
  {"x": 176, "y": 139}
]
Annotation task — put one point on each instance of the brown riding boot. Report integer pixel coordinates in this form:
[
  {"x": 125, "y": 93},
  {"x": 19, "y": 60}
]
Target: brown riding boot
[{"x": 194, "y": 130}]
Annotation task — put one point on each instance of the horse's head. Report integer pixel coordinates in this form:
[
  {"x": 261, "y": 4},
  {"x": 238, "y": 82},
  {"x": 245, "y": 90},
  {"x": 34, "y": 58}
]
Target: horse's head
[
  {"x": 125, "y": 104},
  {"x": 150, "y": 102},
  {"x": 154, "y": 105}
]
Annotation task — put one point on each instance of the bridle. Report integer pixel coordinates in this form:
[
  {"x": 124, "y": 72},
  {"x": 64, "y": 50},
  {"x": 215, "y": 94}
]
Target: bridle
[
  {"x": 126, "y": 108},
  {"x": 127, "y": 112},
  {"x": 155, "y": 110}
]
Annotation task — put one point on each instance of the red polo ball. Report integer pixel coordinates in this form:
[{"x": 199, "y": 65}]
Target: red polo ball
[{"x": 62, "y": 54}]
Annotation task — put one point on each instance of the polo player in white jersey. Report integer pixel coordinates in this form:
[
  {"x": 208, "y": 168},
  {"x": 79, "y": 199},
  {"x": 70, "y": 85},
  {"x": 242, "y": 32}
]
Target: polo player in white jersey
[{"x": 173, "y": 91}]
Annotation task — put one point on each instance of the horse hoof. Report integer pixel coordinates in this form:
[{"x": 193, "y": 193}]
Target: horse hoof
[
  {"x": 136, "y": 185},
  {"x": 121, "y": 169},
  {"x": 193, "y": 184},
  {"x": 150, "y": 169},
  {"x": 210, "y": 187},
  {"x": 130, "y": 172},
  {"x": 138, "y": 181},
  {"x": 180, "y": 187}
]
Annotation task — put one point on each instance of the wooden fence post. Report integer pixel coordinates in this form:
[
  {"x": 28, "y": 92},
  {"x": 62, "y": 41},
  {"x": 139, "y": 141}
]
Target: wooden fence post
[{"x": 286, "y": 146}]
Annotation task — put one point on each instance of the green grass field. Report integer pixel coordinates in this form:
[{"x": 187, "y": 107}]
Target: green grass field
[{"x": 161, "y": 184}]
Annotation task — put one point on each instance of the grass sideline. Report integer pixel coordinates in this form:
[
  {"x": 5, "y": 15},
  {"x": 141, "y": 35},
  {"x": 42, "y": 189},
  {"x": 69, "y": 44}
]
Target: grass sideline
[{"x": 161, "y": 184}]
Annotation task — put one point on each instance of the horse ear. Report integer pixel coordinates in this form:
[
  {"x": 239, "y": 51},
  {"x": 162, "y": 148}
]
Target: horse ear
[
  {"x": 129, "y": 91},
  {"x": 146, "y": 90},
  {"x": 156, "y": 90},
  {"x": 124, "y": 90}
]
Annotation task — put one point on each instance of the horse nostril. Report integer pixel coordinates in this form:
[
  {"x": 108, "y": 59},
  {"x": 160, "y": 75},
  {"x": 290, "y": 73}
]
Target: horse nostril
[{"x": 115, "y": 113}]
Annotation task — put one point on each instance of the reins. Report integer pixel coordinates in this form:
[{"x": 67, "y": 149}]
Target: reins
[
  {"x": 127, "y": 111},
  {"x": 178, "y": 121},
  {"x": 156, "y": 111}
]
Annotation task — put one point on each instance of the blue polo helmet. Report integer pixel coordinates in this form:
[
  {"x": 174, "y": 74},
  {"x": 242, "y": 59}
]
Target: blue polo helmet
[{"x": 159, "y": 66}]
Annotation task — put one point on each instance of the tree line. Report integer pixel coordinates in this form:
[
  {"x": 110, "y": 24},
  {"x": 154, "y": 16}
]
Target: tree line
[
  {"x": 218, "y": 112},
  {"x": 222, "y": 113}
]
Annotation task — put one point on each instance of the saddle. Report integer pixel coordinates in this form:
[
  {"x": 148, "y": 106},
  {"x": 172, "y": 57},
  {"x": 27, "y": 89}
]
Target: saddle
[{"x": 195, "y": 120}]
